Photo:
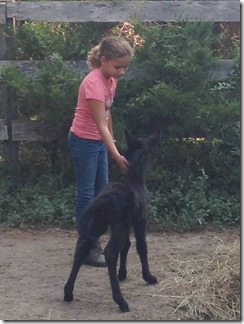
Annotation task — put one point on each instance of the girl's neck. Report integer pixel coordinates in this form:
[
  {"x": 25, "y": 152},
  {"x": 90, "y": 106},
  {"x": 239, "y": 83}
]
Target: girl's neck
[{"x": 106, "y": 76}]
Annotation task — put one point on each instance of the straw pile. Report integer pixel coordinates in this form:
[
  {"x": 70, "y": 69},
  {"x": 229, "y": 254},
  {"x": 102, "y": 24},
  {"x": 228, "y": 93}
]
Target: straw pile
[{"x": 207, "y": 288}]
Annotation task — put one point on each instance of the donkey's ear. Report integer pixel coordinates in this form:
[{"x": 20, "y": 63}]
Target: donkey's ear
[{"x": 155, "y": 138}]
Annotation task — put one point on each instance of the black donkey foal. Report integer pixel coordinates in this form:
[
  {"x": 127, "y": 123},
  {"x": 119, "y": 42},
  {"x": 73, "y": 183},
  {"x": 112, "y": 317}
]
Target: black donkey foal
[{"x": 121, "y": 205}]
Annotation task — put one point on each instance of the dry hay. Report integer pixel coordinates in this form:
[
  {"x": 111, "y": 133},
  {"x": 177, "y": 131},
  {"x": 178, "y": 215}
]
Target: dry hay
[{"x": 208, "y": 288}]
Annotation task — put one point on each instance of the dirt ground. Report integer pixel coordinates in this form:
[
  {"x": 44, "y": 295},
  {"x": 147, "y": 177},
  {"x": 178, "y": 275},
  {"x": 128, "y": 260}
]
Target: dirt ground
[{"x": 34, "y": 265}]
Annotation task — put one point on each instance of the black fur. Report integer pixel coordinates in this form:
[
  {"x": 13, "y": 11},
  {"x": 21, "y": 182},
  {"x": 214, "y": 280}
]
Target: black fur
[{"x": 120, "y": 206}]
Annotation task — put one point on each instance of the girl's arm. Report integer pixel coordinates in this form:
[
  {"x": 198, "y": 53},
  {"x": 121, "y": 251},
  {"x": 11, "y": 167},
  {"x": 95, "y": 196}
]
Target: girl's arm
[
  {"x": 99, "y": 114},
  {"x": 110, "y": 124}
]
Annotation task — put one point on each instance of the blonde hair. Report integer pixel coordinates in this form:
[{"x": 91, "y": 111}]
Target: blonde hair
[{"x": 110, "y": 47}]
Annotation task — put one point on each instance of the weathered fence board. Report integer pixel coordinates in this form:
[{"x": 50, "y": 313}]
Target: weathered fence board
[
  {"x": 30, "y": 68},
  {"x": 29, "y": 131},
  {"x": 3, "y": 13},
  {"x": 116, "y": 11},
  {"x": 3, "y": 21}
]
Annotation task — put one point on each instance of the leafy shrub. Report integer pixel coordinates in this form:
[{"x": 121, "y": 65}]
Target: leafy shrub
[
  {"x": 39, "y": 204},
  {"x": 183, "y": 209},
  {"x": 72, "y": 41}
]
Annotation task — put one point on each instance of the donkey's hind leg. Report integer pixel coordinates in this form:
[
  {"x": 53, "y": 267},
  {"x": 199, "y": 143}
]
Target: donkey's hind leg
[
  {"x": 81, "y": 253},
  {"x": 141, "y": 246}
]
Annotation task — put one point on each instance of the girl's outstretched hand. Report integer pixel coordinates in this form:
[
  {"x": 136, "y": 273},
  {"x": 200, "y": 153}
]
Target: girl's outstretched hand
[{"x": 122, "y": 163}]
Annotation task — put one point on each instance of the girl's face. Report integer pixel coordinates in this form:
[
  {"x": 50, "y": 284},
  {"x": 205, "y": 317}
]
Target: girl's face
[{"x": 115, "y": 67}]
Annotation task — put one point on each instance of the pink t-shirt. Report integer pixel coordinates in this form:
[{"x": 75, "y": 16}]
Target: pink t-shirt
[{"x": 93, "y": 86}]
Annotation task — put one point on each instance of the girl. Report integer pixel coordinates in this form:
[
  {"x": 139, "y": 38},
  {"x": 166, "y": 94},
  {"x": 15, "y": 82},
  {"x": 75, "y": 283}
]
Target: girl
[{"x": 91, "y": 133}]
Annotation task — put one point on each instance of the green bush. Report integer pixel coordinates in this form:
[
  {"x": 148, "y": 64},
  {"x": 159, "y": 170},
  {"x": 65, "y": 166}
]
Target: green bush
[
  {"x": 37, "y": 204},
  {"x": 192, "y": 207},
  {"x": 72, "y": 41}
]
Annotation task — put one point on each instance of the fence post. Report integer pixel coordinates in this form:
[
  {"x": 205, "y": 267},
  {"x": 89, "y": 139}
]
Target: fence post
[{"x": 7, "y": 101}]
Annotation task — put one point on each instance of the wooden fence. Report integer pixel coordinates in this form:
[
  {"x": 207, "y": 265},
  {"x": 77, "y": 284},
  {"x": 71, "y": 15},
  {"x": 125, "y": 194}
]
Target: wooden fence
[{"x": 13, "y": 130}]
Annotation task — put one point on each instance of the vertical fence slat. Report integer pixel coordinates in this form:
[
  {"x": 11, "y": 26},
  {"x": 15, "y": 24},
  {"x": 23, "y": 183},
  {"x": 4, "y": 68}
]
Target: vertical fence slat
[
  {"x": 3, "y": 56},
  {"x": 7, "y": 103},
  {"x": 11, "y": 146}
]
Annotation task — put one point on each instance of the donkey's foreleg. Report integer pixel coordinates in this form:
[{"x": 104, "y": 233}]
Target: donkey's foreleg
[
  {"x": 81, "y": 253},
  {"x": 123, "y": 258},
  {"x": 141, "y": 246},
  {"x": 111, "y": 253}
]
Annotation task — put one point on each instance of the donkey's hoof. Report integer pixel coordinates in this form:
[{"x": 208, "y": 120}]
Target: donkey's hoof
[
  {"x": 68, "y": 297},
  {"x": 122, "y": 275},
  {"x": 124, "y": 308},
  {"x": 151, "y": 280}
]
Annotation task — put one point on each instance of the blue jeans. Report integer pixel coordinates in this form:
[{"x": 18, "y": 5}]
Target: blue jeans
[{"x": 90, "y": 160}]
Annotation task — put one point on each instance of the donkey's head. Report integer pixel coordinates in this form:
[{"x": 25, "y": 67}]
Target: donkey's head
[{"x": 138, "y": 153}]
